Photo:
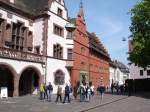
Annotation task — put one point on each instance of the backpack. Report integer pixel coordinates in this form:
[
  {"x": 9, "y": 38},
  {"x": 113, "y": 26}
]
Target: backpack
[
  {"x": 67, "y": 89},
  {"x": 50, "y": 87},
  {"x": 82, "y": 90}
]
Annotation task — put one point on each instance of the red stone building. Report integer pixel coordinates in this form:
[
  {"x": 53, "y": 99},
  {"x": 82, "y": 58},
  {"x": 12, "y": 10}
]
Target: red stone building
[
  {"x": 91, "y": 60},
  {"x": 80, "y": 69},
  {"x": 98, "y": 61}
]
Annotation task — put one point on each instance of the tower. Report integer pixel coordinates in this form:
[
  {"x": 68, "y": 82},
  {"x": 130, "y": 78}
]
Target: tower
[{"x": 81, "y": 12}]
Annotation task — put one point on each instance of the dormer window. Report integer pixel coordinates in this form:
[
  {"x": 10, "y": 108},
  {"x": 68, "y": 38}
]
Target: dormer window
[
  {"x": 59, "y": 12},
  {"x": 59, "y": 1}
]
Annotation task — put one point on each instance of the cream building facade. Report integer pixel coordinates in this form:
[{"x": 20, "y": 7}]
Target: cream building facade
[{"x": 34, "y": 44}]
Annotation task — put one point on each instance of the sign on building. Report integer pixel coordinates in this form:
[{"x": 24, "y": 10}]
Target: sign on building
[{"x": 4, "y": 92}]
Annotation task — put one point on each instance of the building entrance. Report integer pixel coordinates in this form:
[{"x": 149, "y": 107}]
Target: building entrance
[
  {"x": 29, "y": 81},
  {"x": 7, "y": 79},
  {"x": 84, "y": 78}
]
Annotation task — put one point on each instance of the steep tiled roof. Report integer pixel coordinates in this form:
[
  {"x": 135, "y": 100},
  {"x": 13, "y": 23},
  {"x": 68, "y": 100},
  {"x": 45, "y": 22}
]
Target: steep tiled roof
[
  {"x": 72, "y": 20},
  {"x": 123, "y": 68},
  {"x": 33, "y": 7},
  {"x": 95, "y": 44}
]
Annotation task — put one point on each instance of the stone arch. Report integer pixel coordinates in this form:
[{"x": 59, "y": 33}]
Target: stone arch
[
  {"x": 59, "y": 77},
  {"x": 10, "y": 80},
  {"x": 29, "y": 81}
]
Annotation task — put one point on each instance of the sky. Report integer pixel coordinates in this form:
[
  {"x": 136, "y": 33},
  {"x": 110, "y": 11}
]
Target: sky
[{"x": 110, "y": 20}]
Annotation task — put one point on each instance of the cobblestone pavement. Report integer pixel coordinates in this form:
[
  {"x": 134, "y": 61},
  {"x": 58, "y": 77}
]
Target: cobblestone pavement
[{"x": 110, "y": 103}]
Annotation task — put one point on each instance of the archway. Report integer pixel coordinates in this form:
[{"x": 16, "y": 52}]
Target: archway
[
  {"x": 29, "y": 81},
  {"x": 7, "y": 79}
]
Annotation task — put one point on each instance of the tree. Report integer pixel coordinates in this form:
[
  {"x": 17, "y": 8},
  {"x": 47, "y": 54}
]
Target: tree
[{"x": 140, "y": 33}]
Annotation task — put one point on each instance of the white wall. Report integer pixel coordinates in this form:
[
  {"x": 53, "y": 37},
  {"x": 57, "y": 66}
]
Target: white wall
[
  {"x": 135, "y": 72},
  {"x": 38, "y": 33},
  {"x": 117, "y": 76},
  {"x": 55, "y": 64}
]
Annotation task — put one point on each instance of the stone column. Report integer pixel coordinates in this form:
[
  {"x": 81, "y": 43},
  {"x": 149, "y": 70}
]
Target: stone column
[{"x": 16, "y": 86}]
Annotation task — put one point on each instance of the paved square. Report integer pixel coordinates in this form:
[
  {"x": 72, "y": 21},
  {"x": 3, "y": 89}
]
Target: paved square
[{"x": 110, "y": 103}]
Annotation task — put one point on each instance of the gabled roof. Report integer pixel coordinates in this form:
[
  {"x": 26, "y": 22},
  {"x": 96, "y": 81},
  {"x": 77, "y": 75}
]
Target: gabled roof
[
  {"x": 33, "y": 7},
  {"x": 123, "y": 68},
  {"x": 95, "y": 44}
]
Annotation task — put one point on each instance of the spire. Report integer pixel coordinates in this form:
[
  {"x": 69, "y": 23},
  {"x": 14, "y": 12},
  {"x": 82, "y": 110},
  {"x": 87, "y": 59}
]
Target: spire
[{"x": 81, "y": 12}]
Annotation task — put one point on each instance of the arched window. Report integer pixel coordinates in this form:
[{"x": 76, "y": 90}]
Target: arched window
[{"x": 59, "y": 77}]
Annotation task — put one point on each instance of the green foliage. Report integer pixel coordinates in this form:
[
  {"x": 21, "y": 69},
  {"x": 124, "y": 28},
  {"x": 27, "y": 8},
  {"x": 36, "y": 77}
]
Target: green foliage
[{"x": 140, "y": 29}]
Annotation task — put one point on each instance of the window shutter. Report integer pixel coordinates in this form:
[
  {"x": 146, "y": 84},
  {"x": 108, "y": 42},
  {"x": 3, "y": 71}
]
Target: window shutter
[
  {"x": 30, "y": 40},
  {"x": 8, "y": 32}
]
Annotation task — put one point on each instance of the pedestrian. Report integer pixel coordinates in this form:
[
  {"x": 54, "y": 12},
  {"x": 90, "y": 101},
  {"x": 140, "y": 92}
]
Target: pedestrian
[
  {"x": 67, "y": 93},
  {"x": 112, "y": 88},
  {"x": 59, "y": 94},
  {"x": 92, "y": 88},
  {"x": 88, "y": 92},
  {"x": 45, "y": 92},
  {"x": 82, "y": 92},
  {"x": 41, "y": 91},
  {"x": 75, "y": 93},
  {"x": 49, "y": 91},
  {"x": 101, "y": 91}
]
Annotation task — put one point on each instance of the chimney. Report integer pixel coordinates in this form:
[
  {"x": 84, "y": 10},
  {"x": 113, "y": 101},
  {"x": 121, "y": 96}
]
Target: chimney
[{"x": 11, "y": 1}]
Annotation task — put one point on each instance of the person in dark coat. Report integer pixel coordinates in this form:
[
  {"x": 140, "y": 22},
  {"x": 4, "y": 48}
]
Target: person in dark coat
[
  {"x": 49, "y": 91},
  {"x": 112, "y": 88},
  {"x": 67, "y": 93},
  {"x": 101, "y": 89}
]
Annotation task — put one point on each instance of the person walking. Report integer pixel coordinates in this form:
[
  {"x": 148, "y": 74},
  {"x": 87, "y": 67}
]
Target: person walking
[
  {"x": 82, "y": 92},
  {"x": 45, "y": 92},
  {"x": 75, "y": 93},
  {"x": 88, "y": 92},
  {"x": 49, "y": 91},
  {"x": 42, "y": 91},
  {"x": 67, "y": 93},
  {"x": 101, "y": 91},
  {"x": 59, "y": 94},
  {"x": 112, "y": 88}
]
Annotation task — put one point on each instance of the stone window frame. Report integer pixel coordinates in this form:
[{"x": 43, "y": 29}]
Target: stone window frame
[
  {"x": 148, "y": 72},
  {"x": 57, "y": 51},
  {"x": 37, "y": 49},
  {"x": 69, "y": 54},
  {"x": 141, "y": 72},
  {"x": 59, "y": 77},
  {"x": 83, "y": 51},
  {"x": 1, "y": 28},
  {"x": 69, "y": 35},
  {"x": 59, "y": 12},
  {"x": 58, "y": 30}
]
